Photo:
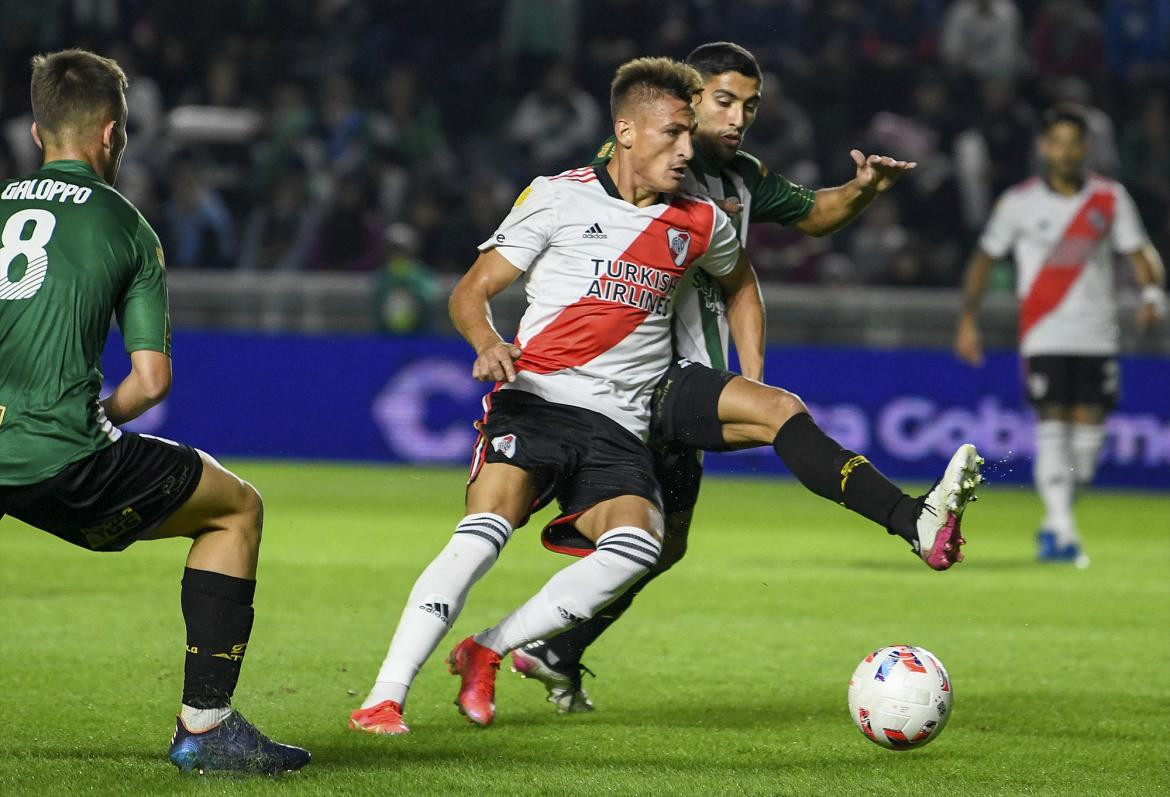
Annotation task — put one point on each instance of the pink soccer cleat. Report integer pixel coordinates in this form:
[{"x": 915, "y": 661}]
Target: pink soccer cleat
[{"x": 940, "y": 541}]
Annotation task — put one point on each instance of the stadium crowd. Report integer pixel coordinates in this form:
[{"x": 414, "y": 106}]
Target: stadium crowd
[{"x": 366, "y": 134}]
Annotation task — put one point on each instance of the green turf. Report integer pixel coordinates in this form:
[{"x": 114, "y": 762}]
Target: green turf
[{"x": 728, "y": 677}]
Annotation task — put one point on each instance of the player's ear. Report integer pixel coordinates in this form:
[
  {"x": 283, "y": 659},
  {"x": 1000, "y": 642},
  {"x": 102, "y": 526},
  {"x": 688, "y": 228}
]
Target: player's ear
[
  {"x": 36, "y": 134},
  {"x": 623, "y": 131},
  {"x": 108, "y": 134}
]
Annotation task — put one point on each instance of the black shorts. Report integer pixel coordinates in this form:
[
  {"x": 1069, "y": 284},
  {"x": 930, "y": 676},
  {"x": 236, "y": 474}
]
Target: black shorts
[
  {"x": 113, "y": 497},
  {"x": 1072, "y": 380},
  {"x": 685, "y": 407},
  {"x": 574, "y": 455}
]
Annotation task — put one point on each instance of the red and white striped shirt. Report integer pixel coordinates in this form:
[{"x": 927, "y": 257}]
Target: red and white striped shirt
[
  {"x": 601, "y": 280},
  {"x": 1063, "y": 249}
]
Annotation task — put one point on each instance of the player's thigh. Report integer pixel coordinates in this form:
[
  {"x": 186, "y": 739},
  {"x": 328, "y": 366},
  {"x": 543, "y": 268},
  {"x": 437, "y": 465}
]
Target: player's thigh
[
  {"x": 752, "y": 412},
  {"x": 623, "y": 510},
  {"x": 685, "y": 406},
  {"x": 502, "y": 489},
  {"x": 221, "y": 500}
]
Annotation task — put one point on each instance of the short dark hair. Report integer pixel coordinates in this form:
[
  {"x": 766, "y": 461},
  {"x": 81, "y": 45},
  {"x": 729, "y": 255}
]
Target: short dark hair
[
  {"x": 643, "y": 79},
  {"x": 1066, "y": 112},
  {"x": 715, "y": 58},
  {"x": 72, "y": 89}
]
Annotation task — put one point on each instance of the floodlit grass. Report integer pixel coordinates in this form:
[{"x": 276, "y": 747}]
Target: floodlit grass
[{"x": 727, "y": 677}]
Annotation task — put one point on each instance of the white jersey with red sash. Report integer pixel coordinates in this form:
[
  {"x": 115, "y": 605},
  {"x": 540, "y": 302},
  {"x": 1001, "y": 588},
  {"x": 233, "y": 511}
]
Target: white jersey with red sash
[
  {"x": 1063, "y": 250},
  {"x": 601, "y": 279}
]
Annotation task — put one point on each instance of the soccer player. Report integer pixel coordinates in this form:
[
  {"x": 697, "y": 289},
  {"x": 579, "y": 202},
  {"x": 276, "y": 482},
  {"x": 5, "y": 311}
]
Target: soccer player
[
  {"x": 603, "y": 249},
  {"x": 1062, "y": 229},
  {"x": 700, "y": 406},
  {"x": 73, "y": 252}
]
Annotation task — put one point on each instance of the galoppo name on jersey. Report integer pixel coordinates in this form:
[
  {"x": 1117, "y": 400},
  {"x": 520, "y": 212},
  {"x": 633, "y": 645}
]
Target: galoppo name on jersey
[{"x": 601, "y": 280}]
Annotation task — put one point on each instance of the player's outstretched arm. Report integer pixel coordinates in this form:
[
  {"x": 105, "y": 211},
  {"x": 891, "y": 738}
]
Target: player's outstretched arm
[
  {"x": 472, "y": 315},
  {"x": 833, "y": 208},
  {"x": 968, "y": 343},
  {"x": 147, "y": 384},
  {"x": 745, "y": 316},
  {"x": 1151, "y": 278}
]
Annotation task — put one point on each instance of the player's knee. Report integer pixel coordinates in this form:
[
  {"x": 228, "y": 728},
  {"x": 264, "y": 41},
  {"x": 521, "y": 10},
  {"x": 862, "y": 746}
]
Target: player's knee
[
  {"x": 779, "y": 407},
  {"x": 251, "y": 515}
]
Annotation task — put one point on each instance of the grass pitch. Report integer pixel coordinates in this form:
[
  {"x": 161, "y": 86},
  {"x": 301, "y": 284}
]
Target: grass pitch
[{"x": 727, "y": 677}]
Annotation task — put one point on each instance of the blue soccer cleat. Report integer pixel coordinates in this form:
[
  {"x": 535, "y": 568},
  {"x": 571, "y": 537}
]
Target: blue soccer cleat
[
  {"x": 235, "y": 745},
  {"x": 1049, "y": 549}
]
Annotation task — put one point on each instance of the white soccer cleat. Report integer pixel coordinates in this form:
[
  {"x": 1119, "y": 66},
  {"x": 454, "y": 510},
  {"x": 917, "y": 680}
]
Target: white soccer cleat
[
  {"x": 564, "y": 690},
  {"x": 940, "y": 540}
]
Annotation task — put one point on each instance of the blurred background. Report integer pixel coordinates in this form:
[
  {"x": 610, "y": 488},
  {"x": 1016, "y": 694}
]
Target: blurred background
[{"x": 328, "y": 166}]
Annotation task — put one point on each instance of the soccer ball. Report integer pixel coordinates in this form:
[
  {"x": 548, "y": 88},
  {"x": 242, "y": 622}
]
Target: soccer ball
[{"x": 900, "y": 697}]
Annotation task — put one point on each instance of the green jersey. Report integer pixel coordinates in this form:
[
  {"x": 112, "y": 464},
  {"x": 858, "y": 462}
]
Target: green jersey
[
  {"x": 73, "y": 253},
  {"x": 700, "y": 317}
]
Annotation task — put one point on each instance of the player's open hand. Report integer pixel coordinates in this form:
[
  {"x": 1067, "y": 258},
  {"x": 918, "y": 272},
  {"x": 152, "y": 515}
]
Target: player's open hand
[
  {"x": 968, "y": 342},
  {"x": 495, "y": 363},
  {"x": 878, "y": 173}
]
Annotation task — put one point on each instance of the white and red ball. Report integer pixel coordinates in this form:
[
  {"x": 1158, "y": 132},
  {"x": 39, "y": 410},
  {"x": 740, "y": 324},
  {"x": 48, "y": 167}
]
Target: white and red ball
[{"x": 900, "y": 697}]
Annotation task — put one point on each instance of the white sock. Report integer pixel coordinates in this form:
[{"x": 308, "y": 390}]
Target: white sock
[
  {"x": 1087, "y": 440},
  {"x": 575, "y": 594},
  {"x": 1053, "y": 475},
  {"x": 201, "y": 720},
  {"x": 436, "y": 600}
]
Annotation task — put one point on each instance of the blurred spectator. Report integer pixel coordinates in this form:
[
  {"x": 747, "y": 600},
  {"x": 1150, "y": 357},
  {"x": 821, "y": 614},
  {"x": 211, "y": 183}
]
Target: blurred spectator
[
  {"x": 406, "y": 294},
  {"x": 198, "y": 224},
  {"x": 1137, "y": 39},
  {"x": 558, "y": 125},
  {"x": 900, "y": 36},
  {"x": 534, "y": 32},
  {"x": 280, "y": 230},
  {"x": 1066, "y": 40},
  {"x": 782, "y": 136},
  {"x": 996, "y": 152},
  {"x": 342, "y": 125},
  {"x": 349, "y": 237},
  {"x": 287, "y": 136},
  {"x": 1145, "y": 158},
  {"x": 929, "y": 195},
  {"x": 877, "y": 241},
  {"x": 983, "y": 38}
]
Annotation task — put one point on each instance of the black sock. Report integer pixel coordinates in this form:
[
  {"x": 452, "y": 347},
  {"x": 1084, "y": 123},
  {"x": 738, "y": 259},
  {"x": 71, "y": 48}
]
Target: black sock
[
  {"x": 845, "y": 477},
  {"x": 218, "y": 612},
  {"x": 568, "y": 646}
]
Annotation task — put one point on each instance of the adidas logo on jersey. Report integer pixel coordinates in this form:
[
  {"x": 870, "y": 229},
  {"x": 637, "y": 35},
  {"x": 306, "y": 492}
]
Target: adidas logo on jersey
[
  {"x": 594, "y": 232},
  {"x": 440, "y": 610}
]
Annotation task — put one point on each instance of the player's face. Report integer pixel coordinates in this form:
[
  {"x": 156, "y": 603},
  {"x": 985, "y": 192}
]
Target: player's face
[
  {"x": 1063, "y": 149},
  {"x": 662, "y": 143},
  {"x": 724, "y": 112}
]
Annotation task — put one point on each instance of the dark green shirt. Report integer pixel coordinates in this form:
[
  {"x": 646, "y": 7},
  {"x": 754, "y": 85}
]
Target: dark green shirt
[{"x": 73, "y": 253}]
